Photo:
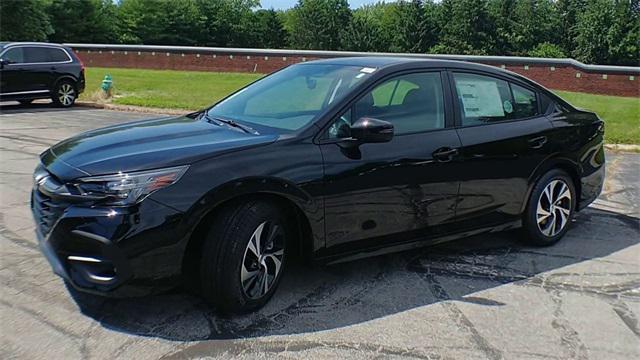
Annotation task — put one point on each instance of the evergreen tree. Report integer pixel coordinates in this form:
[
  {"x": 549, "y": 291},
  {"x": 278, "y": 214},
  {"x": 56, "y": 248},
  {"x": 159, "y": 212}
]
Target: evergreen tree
[
  {"x": 24, "y": 20},
  {"x": 318, "y": 24}
]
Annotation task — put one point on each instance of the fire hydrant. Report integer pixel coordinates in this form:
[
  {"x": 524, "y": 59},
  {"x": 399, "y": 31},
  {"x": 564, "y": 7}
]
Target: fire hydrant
[{"x": 107, "y": 84}]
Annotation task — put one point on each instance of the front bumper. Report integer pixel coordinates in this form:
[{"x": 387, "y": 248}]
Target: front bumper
[{"x": 109, "y": 250}]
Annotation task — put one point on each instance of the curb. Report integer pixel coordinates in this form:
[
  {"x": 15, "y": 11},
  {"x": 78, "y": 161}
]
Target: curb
[
  {"x": 623, "y": 147},
  {"x": 131, "y": 108}
]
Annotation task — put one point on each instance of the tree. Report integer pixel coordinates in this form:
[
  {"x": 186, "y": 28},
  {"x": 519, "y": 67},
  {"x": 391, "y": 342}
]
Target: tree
[
  {"x": 268, "y": 29},
  {"x": 568, "y": 11},
  {"x": 409, "y": 29},
  {"x": 607, "y": 33},
  {"x": 317, "y": 24},
  {"x": 547, "y": 50},
  {"x": 24, "y": 20},
  {"x": 624, "y": 34},
  {"x": 467, "y": 28},
  {"x": 522, "y": 24},
  {"x": 88, "y": 21},
  {"x": 162, "y": 22},
  {"x": 365, "y": 31}
]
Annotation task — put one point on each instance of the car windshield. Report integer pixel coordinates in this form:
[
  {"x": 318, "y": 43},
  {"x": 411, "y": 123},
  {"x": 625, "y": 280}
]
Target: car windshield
[{"x": 291, "y": 98}]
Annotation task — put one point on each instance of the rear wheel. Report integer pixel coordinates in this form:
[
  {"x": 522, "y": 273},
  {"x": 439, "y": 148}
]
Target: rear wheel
[
  {"x": 550, "y": 209},
  {"x": 64, "y": 94},
  {"x": 244, "y": 256}
]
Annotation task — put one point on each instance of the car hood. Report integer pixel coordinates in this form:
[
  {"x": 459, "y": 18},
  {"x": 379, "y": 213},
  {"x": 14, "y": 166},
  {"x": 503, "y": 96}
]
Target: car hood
[{"x": 148, "y": 144}]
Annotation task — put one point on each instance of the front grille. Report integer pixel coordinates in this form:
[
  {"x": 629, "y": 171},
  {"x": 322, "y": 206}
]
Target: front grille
[{"x": 46, "y": 211}]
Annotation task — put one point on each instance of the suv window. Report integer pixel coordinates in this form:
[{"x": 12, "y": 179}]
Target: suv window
[
  {"x": 484, "y": 99},
  {"x": 44, "y": 55},
  {"x": 412, "y": 103},
  {"x": 15, "y": 55}
]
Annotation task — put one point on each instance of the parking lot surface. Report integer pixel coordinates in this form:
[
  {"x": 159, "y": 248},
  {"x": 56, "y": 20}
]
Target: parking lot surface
[{"x": 486, "y": 297}]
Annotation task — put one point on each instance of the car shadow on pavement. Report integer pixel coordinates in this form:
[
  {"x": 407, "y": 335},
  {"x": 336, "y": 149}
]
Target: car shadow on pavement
[{"x": 323, "y": 298}]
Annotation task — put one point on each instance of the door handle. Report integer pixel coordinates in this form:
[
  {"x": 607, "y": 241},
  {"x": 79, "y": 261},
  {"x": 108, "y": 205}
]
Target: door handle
[
  {"x": 445, "y": 154},
  {"x": 537, "y": 142}
]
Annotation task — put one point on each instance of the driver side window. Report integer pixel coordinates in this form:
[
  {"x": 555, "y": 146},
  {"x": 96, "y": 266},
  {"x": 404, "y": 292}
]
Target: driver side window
[
  {"x": 14, "y": 56},
  {"x": 412, "y": 103}
]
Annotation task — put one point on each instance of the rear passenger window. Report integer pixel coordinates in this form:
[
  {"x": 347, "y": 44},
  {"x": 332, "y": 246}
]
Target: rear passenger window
[
  {"x": 484, "y": 99},
  {"x": 35, "y": 55},
  {"x": 44, "y": 55}
]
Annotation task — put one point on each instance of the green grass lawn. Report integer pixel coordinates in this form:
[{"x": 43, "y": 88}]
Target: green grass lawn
[
  {"x": 166, "y": 89},
  {"x": 621, "y": 114},
  {"x": 195, "y": 89}
]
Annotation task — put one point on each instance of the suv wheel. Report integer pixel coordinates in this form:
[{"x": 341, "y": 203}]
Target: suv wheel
[
  {"x": 550, "y": 209},
  {"x": 244, "y": 256},
  {"x": 64, "y": 94}
]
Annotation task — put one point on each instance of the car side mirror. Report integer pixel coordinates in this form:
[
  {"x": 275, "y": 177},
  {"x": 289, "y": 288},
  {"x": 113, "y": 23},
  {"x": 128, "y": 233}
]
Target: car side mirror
[
  {"x": 370, "y": 130},
  {"x": 3, "y": 62}
]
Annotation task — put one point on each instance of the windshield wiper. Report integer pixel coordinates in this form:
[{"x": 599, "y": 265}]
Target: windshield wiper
[{"x": 229, "y": 122}]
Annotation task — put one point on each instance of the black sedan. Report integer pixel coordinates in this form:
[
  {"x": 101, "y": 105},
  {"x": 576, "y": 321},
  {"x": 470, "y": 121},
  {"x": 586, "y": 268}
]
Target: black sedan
[{"x": 330, "y": 160}]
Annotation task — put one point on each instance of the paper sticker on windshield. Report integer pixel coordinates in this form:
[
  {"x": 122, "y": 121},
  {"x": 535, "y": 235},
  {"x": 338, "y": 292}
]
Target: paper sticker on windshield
[{"x": 368, "y": 70}]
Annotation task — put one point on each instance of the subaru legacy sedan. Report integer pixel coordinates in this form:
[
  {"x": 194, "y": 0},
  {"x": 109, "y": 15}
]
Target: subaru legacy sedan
[{"x": 328, "y": 160}]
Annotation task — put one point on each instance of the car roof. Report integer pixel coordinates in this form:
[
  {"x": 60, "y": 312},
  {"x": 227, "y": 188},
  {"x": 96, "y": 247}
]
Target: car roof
[
  {"x": 388, "y": 61},
  {"x": 398, "y": 62},
  {"x": 8, "y": 44}
]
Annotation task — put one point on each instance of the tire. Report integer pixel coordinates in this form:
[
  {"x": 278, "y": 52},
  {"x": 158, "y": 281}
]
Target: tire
[
  {"x": 546, "y": 222},
  {"x": 64, "y": 94},
  {"x": 228, "y": 256},
  {"x": 25, "y": 102}
]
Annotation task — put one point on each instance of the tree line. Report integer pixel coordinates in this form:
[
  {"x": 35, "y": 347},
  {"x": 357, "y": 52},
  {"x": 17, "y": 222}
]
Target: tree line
[{"x": 592, "y": 31}]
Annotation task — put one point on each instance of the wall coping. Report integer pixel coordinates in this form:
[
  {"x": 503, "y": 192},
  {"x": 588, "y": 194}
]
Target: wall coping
[{"x": 317, "y": 53}]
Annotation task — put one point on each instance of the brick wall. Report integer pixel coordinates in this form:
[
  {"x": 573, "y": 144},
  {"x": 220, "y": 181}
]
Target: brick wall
[{"x": 561, "y": 74}]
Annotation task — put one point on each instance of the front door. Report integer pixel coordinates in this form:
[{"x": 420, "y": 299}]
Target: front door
[
  {"x": 12, "y": 72},
  {"x": 380, "y": 193}
]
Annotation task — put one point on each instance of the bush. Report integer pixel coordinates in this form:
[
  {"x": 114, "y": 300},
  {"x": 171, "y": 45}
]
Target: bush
[{"x": 547, "y": 50}]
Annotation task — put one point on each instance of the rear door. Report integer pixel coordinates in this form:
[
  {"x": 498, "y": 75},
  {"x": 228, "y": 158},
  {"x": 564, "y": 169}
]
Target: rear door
[
  {"x": 504, "y": 138},
  {"x": 43, "y": 65}
]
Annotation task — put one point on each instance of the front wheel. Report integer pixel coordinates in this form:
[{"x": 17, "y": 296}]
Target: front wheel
[
  {"x": 550, "y": 208},
  {"x": 244, "y": 256},
  {"x": 64, "y": 94}
]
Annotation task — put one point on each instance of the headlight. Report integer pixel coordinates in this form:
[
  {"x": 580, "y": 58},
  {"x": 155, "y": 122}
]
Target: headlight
[{"x": 130, "y": 188}]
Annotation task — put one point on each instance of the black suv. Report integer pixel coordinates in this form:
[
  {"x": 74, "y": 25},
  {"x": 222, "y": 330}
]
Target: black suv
[
  {"x": 30, "y": 71},
  {"x": 333, "y": 160}
]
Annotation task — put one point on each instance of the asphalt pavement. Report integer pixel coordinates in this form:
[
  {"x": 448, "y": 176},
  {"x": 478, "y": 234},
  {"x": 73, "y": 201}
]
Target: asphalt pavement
[{"x": 485, "y": 297}]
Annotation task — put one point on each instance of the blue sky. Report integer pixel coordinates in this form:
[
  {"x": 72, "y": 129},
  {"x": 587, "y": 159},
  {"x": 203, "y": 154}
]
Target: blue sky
[{"x": 285, "y": 4}]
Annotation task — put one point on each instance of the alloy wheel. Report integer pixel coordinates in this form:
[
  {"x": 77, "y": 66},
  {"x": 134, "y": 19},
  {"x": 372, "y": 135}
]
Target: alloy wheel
[
  {"x": 66, "y": 94},
  {"x": 262, "y": 260},
  {"x": 554, "y": 208}
]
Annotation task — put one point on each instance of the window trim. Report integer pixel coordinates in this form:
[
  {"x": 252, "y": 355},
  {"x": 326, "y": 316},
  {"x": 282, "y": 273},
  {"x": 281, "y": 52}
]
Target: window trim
[
  {"x": 38, "y": 63},
  {"x": 454, "y": 95},
  {"x": 449, "y": 116}
]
